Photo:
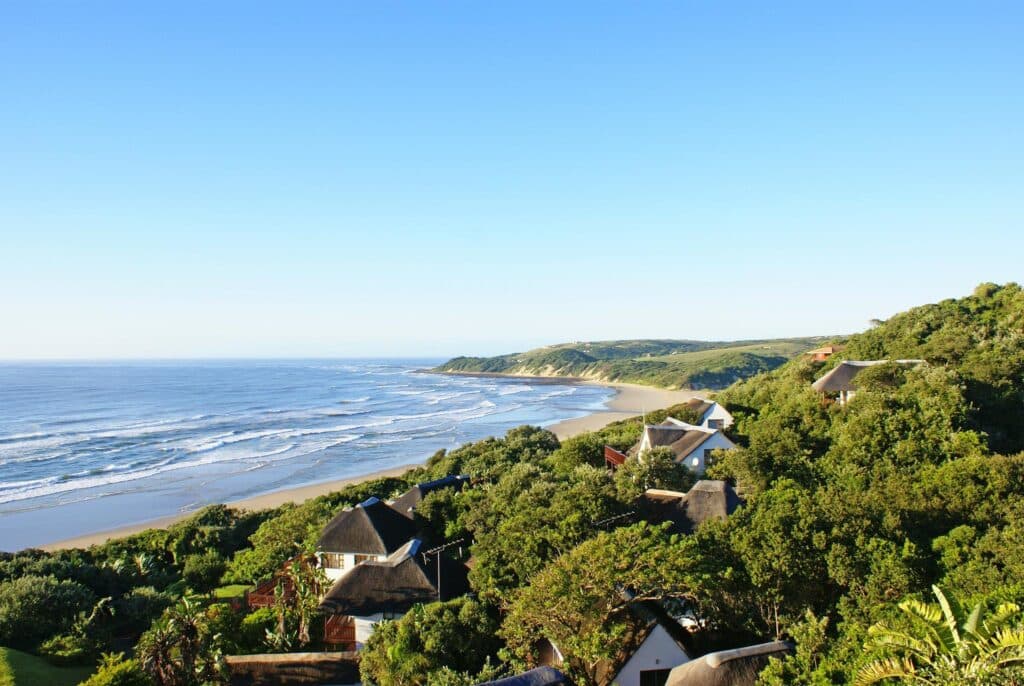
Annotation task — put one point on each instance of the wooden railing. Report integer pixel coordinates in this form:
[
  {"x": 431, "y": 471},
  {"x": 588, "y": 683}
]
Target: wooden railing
[
  {"x": 265, "y": 593},
  {"x": 612, "y": 457},
  {"x": 340, "y": 632}
]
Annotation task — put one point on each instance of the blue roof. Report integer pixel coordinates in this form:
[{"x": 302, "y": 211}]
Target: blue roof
[{"x": 541, "y": 676}]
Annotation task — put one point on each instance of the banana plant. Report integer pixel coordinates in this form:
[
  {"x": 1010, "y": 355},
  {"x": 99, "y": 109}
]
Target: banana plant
[{"x": 947, "y": 645}]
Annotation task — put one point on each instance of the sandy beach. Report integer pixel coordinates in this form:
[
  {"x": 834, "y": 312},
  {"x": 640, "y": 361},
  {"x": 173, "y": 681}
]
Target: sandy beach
[{"x": 630, "y": 400}]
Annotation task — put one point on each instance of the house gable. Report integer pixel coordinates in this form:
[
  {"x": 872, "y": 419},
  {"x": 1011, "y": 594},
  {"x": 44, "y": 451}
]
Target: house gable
[{"x": 658, "y": 651}]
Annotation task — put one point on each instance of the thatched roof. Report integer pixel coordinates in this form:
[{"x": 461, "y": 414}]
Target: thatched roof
[
  {"x": 293, "y": 669},
  {"x": 407, "y": 502},
  {"x": 825, "y": 350},
  {"x": 369, "y": 528},
  {"x": 655, "y": 614},
  {"x": 395, "y": 584},
  {"x": 737, "y": 667},
  {"x": 681, "y": 439},
  {"x": 699, "y": 405},
  {"x": 541, "y": 676},
  {"x": 707, "y": 499},
  {"x": 841, "y": 377}
]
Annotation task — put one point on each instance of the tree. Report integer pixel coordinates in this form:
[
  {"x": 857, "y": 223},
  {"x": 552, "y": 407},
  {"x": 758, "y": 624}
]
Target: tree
[
  {"x": 807, "y": 664},
  {"x": 180, "y": 649},
  {"x": 278, "y": 539},
  {"x": 457, "y": 636},
  {"x": 655, "y": 468},
  {"x": 203, "y": 571},
  {"x": 779, "y": 541},
  {"x": 945, "y": 645},
  {"x": 33, "y": 608},
  {"x": 581, "y": 601},
  {"x": 308, "y": 582}
]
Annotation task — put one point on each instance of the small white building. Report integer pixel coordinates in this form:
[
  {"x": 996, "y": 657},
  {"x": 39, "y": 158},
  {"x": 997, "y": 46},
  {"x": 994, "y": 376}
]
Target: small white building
[{"x": 691, "y": 444}]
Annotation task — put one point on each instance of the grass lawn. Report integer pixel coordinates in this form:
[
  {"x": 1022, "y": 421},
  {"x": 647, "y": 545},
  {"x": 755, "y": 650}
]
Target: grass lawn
[
  {"x": 21, "y": 669},
  {"x": 232, "y": 591}
]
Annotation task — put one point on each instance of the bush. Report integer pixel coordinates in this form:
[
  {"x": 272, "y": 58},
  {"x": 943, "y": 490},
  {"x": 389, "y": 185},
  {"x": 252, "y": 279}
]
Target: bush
[
  {"x": 253, "y": 634},
  {"x": 203, "y": 572},
  {"x": 34, "y": 608},
  {"x": 68, "y": 649},
  {"x": 116, "y": 671},
  {"x": 136, "y": 611}
]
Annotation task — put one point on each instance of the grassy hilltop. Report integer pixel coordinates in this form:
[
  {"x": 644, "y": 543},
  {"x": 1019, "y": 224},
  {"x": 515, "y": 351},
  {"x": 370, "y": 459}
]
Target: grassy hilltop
[{"x": 665, "y": 363}]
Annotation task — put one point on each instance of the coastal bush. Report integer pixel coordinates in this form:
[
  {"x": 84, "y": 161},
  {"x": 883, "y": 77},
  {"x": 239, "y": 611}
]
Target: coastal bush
[
  {"x": 456, "y": 636},
  {"x": 115, "y": 670},
  {"x": 656, "y": 468},
  {"x": 202, "y": 571},
  {"x": 136, "y": 610},
  {"x": 34, "y": 608}
]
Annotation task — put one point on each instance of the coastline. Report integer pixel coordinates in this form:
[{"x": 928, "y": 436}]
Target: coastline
[{"x": 629, "y": 400}]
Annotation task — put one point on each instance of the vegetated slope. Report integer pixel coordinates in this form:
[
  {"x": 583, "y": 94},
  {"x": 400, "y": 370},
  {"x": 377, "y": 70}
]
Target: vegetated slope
[
  {"x": 917, "y": 481},
  {"x": 981, "y": 337},
  {"x": 666, "y": 363}
]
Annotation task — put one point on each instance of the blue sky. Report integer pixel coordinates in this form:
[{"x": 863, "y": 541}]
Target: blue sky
[{"x": 351, "y": 179}]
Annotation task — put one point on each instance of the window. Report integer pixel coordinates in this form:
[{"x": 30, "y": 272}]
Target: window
[
  {"x": 334, "y": 561},
  {"x": 364, "y": 558},
  {"x": 654, "y": 677},
  {"x": 716, "y": 423}
]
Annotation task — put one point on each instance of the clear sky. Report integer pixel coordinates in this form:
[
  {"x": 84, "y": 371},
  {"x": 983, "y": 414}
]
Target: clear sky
[{"x": 186, "y": 179}]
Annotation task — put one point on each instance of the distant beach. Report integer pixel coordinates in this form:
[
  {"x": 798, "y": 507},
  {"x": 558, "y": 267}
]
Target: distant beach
[{"x": 629, "y": 401}]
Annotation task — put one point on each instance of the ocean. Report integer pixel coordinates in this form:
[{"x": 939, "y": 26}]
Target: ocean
[{"x": 87, "y": 447}]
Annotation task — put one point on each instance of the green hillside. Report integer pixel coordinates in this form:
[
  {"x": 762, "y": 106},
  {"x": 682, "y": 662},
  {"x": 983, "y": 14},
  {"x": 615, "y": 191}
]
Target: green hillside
[{"x": 665, "y": 363}]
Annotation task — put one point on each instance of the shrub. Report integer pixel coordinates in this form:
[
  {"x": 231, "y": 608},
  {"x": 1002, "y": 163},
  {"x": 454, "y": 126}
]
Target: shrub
[
  {"x": 203, "y": 572},
  {"x": 115, "y": 670}
]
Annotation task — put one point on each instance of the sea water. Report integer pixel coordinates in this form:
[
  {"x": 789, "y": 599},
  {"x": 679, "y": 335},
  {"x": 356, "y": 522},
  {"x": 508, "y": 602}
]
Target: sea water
[{"x": 86, "y": 447}]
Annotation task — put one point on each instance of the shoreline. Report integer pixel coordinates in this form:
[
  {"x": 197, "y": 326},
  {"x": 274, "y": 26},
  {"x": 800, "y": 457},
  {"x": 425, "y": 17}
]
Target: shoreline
[{"x": 629, "y": 400}]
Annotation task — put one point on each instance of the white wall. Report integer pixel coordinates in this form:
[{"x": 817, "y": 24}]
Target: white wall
[
  {"x": 364, "y": 627},
  {"x": 658, "y": 651},
  {"x": 333, "y": 573},
  {"x": 717, "y": 412},
  {"x": 717, "y": 441}
]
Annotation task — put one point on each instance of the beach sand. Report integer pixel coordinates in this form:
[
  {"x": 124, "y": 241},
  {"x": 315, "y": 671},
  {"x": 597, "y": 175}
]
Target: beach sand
[{"x": 629, "y": 401}]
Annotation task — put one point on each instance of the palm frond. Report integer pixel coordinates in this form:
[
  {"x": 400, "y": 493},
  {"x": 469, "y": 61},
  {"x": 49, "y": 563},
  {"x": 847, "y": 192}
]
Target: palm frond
[
  {"x": 888, "y": 668},
  {"x": 884, "y": 637},
  {"x": 930, "y": 618},
  {"x": 953, "y": 614},
  {"x": 971, "y": 625}
]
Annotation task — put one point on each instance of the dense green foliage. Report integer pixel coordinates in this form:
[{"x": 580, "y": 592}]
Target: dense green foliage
[
  {"x": 457, "y": 636},
  {"x": 115, "y": 670},
  {"x": 666, "y": 363}
]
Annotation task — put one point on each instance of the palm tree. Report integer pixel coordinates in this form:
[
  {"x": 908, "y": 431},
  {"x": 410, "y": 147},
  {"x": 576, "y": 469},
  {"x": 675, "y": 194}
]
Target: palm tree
[
  {"x": 179, "y": 649},
  {"x": 948, "y": 646}
]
